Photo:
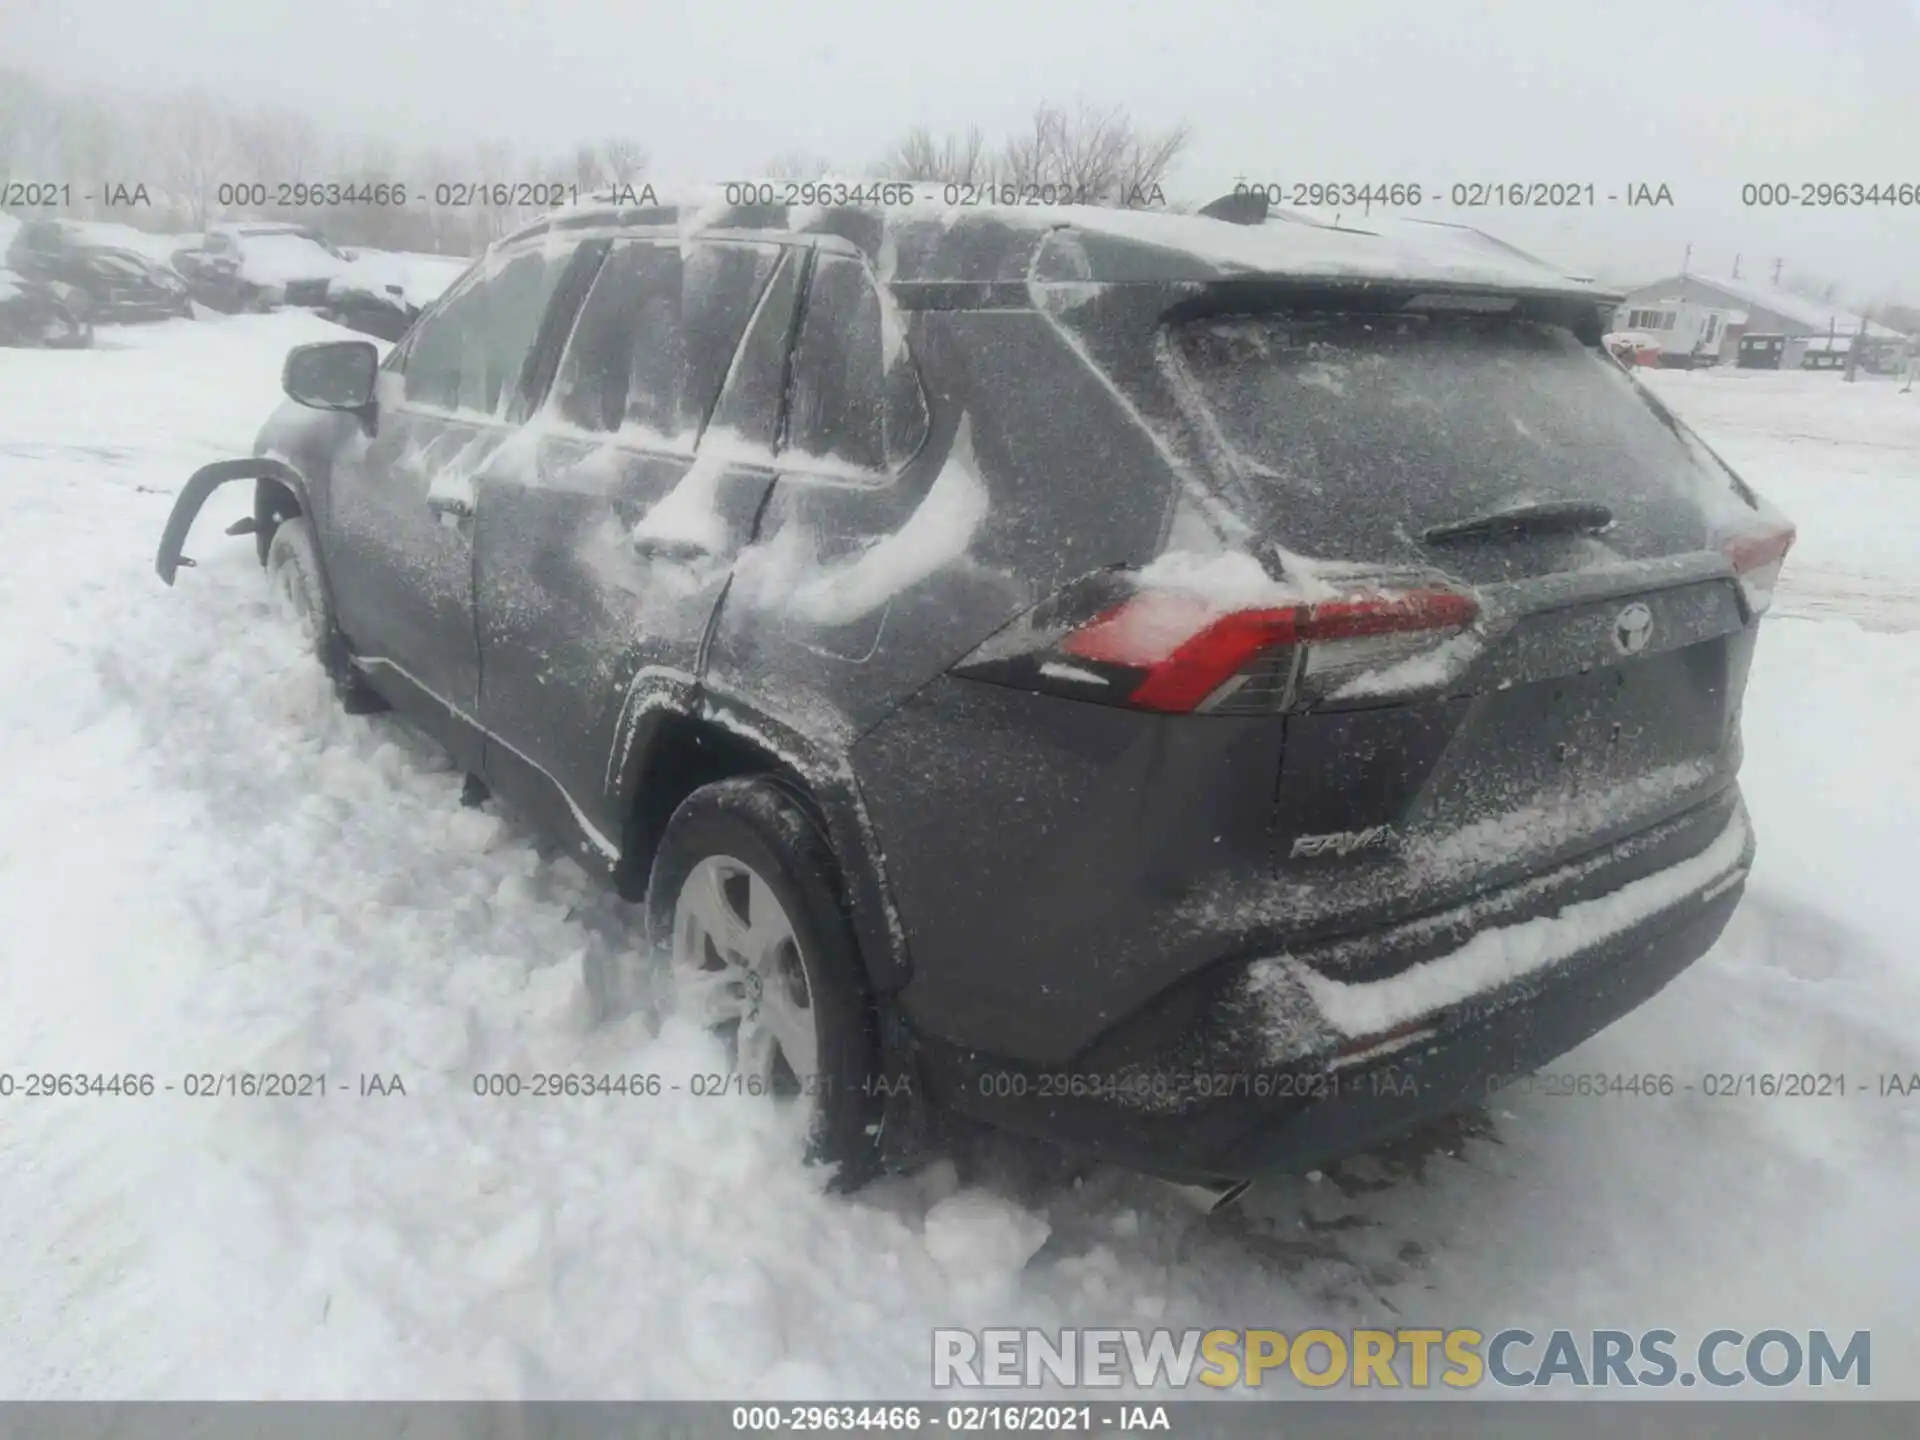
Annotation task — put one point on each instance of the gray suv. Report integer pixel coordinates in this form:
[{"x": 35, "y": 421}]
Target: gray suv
[{"x": 1210, "y": 690}]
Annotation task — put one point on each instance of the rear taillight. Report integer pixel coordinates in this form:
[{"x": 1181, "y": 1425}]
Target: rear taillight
[
  {"x": 1757, "y": 559},
  {"x": 1112, "y": 639}
]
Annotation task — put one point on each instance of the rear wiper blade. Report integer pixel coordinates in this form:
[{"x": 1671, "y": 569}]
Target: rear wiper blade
[{"x": 1548, "y": 517}]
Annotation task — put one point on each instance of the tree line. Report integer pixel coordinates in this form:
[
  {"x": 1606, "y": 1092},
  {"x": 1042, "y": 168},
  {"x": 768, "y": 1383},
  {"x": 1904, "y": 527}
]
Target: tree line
[{"x": 201, "y": 160}]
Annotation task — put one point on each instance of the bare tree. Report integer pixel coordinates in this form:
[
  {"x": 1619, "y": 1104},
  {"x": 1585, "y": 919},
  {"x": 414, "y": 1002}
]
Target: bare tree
[
  {"x": 796, "y": 165},
  {"x": 29, "y": 125},
  {"x": 493, "y": 165},
  {"x": 1145, "y": 162},
  {"x": 1097, "y": 156},
  {"x": 588, "y": 167},
  {"x": 953, "y": 159},
  {"x": 275, "y": 147},
  {"x": 192, "y": 151},
  {"x": 95, "y": 147},
  {"x": 625, "y": 159}
]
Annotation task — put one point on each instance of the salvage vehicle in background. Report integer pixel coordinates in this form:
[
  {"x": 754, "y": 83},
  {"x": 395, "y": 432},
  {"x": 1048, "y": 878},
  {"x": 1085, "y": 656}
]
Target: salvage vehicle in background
[
  {"x": 260, "y": 265},
  {"x": 1213, "y": 691},
  {"x": 42, "y": 313},
  {"x": 381, "y": 293},
  {"x": 116, "y": 284}
]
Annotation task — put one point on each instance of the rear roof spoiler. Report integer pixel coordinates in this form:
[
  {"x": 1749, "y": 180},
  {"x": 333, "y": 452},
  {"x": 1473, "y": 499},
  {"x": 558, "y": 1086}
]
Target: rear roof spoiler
[{"x": 1242, "y": 207}]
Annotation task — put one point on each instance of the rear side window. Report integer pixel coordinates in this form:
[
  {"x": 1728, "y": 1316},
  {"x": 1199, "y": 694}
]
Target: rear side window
[
  {"x": 656, "y": 336},
  {"x": 855, "y": 397},
  {"x": 467, "y": 355}
]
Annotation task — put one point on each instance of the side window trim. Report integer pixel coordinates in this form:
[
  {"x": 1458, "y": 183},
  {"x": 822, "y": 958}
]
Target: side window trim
[
  {"x": 474, "y": 277},
  {"x": 542, "y": 364},
  {"x": 542, "y": 402},
  {"x": 768, "y": 288},
  {"x": 823, "y": 469},
  {"x": 396, "y": 360}
]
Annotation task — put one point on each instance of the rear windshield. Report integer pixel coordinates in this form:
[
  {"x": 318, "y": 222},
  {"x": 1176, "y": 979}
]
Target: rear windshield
[{"x": 1400, "y": 422}]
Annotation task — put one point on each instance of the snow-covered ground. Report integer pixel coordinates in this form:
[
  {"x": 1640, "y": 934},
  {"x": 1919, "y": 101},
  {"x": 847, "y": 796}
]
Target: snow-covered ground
[{"x": 206, "y": 867}]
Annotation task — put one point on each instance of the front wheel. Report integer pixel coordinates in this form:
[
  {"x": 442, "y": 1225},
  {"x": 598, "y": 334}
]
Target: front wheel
[
  {"x": 745, "y": 895},
  {"x": 66, "y": 328},
  {"x": 299, "y": 597},
  {"x": 293, "y": 583}
]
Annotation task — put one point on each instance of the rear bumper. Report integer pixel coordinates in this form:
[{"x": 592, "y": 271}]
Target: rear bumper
[
  {"x": 1234, "y": 1098},
  {"x": 303, "y": 294}
]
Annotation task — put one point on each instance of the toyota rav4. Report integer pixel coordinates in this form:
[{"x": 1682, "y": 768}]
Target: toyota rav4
[{"x": 1211, "y": 690}]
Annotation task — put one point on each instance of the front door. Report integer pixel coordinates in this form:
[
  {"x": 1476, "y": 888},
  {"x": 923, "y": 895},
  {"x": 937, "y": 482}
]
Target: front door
[{"x": 400, "y": 505}]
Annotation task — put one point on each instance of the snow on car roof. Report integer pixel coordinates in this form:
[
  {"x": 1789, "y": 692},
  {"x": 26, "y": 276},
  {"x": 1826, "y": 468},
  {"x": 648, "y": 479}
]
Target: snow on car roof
[{"x": 925, "y": 240}]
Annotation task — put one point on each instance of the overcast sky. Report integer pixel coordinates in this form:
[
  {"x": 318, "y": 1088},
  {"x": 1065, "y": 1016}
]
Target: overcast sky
[{"x": 1701, "y": 95}]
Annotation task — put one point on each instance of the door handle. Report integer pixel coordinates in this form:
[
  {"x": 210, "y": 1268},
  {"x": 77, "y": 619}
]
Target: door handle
[{"x": 654, "y": 547}]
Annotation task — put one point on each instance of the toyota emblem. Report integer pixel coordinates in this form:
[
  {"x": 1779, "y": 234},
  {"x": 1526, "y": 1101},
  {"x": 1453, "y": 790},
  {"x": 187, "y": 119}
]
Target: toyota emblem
[{"x": 1632, "y": 628}]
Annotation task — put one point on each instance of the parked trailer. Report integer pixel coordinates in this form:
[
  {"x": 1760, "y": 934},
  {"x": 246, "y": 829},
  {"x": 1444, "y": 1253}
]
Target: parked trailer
[{"x": 1687, "y": 334}]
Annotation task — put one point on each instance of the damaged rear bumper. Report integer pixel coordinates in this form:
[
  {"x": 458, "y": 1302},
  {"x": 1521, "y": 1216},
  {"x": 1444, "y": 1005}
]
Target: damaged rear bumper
[{"x": 1274, "y": 1064}]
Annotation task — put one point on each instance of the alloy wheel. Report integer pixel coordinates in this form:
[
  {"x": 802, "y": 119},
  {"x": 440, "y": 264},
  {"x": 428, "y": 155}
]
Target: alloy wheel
[{"x": 737, "y": 968}]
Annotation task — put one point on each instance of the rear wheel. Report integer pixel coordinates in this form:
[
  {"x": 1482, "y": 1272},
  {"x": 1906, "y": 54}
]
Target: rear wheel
[{"x": 745, "y": 897}]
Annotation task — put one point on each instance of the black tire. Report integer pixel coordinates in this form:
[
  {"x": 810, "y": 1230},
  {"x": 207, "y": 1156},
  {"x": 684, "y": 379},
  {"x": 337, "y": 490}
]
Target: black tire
[
  {"x": 759, "y": 822},
  {"x": 67, "y": 329},
  {"x": 294, "y": 580}
]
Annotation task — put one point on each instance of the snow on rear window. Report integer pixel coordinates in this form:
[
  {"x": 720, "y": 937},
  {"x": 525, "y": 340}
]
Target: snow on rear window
[{"x": 1355, "y": 427}]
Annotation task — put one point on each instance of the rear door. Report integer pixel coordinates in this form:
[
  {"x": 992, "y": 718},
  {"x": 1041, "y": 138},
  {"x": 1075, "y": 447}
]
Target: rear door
[
  {"x": 857, "y": 590},
  {"x": 605, "y": 539},
  {"x": 1598, "y": 690},
  {"x": 399, "y": 538}
]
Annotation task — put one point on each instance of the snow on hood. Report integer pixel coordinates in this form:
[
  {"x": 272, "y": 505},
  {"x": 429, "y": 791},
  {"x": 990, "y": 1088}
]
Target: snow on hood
[
  {"x": 422, "y": 278},
  {"x": 286, "y": 258}
]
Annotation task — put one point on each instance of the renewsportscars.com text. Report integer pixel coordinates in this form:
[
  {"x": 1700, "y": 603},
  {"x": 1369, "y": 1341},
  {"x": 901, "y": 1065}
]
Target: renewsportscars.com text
[{"x": 1458, "y": 1359}]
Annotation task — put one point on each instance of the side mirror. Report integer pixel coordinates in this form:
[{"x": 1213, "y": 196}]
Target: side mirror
[{"x": 332, "y": 375}]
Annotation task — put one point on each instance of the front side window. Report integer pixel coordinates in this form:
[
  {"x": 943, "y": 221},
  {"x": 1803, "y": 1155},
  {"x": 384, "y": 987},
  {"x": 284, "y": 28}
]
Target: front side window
[
  {"x": 467, "y": 355},
  {"x": 656, "y": 335}
]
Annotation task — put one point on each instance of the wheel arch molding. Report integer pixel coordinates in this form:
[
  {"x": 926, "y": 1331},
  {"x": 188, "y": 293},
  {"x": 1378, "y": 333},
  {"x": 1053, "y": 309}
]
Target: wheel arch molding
[
  {"x": 680, "y": 737},
  {"x": 272, "y": 478}
]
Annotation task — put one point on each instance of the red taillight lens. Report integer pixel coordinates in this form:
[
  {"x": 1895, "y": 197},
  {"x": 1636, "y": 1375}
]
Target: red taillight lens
[
  {"x": 1757, "y": 559},
  {"x": 1752, "y": 552},
  {"x": 1178, "y": 651},
  {"x": 1187, "y": 649}
]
